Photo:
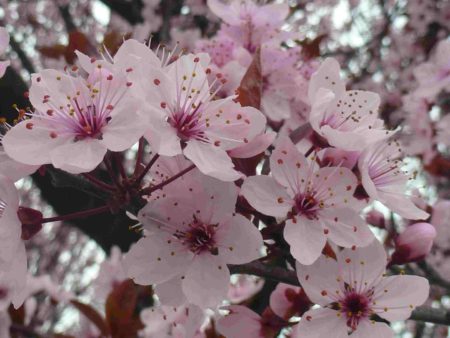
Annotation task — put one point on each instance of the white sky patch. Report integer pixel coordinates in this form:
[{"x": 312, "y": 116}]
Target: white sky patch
[{"x": 101, "y": 12}]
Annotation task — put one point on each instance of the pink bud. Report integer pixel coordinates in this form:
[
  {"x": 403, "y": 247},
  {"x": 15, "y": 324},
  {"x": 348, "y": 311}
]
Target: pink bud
[
  {"x": 414, "y": 243},
  {"x": 376, "y": 218}
]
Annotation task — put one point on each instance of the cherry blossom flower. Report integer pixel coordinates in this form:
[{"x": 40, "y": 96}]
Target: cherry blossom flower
[
  {"x": 384, "y": 180},
  {"x": 414, "y": 243},
  {"x": 4, "y": 42},
  {"x": 184, "y": 118},
  {"x": 353, "y": 289},
  {"x": 288, "y": 300},
  {"x": 75, "y": 120},
  {"x": 5, "y": 323},
  {"x": 317, "y": 202},
  {"x": 346, "y": 119},
  {"x": 13, "y": 259},
  {"x": 248, "y": 23},
  {"x": 192, "y": 237},
  {"x": 434, "y": 76}
]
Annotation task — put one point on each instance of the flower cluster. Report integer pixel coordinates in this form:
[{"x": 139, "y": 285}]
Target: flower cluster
[{"x": 248, "y": 180}]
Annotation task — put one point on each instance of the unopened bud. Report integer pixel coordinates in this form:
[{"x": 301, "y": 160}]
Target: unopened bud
[{"x": 414, "y": 243}]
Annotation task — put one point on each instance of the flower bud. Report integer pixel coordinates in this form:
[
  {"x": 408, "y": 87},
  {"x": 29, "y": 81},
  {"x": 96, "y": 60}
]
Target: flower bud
[
  {"x": 376, "y": 219},
  {"x": 414, "y": 243}
]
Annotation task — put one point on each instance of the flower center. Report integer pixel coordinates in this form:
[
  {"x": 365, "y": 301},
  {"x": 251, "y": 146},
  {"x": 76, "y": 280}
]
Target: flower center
[
  {"x": 188, "y": 125},
  {"x": 355, "y": 307},
  {"x": 199, "y": 238},
  {"x": 306, "y": 205}
]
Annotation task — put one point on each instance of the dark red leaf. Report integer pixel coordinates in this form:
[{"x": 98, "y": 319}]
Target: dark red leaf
[
  {"x": 92, "y": 314},
  {"x": 250, "y": 89}
]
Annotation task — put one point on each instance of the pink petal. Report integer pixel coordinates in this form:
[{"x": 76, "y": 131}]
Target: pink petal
[
  {"x": 402, "y": 205},
  {"x": 78, "y": 157},
  {"x": 279, "y": 302},
  {"x": 372, "y": 329},
  {"x": 211, "y": 161},
  {"x": 3, "y": 66},
  {"x": 256, "y": 146},
  {"x": 4, "y": 39},
  {"x": 320, "y": 323},
  {"x": 170, "y": 293},
  {"x": 124, "y": 130},
  {"x": 12, "y": 169},
  {"x": 31, "y": 146},
  {"x": 289, "y": 167},
  {"x": 372, "y": 268},
  {"x": 241, "y": 322},
  {"x": 346, "y": 228},
  {"x": 150, "y": 260},
  {"x": 397, "y": 296},
  {"x": 267, "y": 196},
  {"x": 132, "y": 51},
  {"x": 306, "y": 238},
  {"x": 319, "y": 280},
  {"x": 162, "y": 137},
  {"x": 239, "y": 241},
  {"x": 206, "y": 281},
  {"x": 327, "y": 77}
]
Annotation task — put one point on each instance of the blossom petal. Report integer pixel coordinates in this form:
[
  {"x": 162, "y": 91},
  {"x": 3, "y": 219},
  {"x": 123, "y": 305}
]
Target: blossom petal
[
  {"x": 397, "y": 296},
  {"x": 363, "y": 265},
  {"x": 267, "y": 196},
  {"x": 206, "y": 281},
  {"x": 78, "y": 157},
  {"x": 170, "y": 293},
  {"x": 289, "y": 167},
  {"x": 124, "y": 130},
  {"x": 211, "y": 161},
  {"x": 319, "y": 280},
  {"x": 346, "y": 228},
  {"x": 327, "y": 77},
  {"x": 150, "y": 260},
  {"x": 319, "y": 323},
  {"x": 31, "y": 146},
  {"x": 239, "y": 240},
  {"x": 306, "y": 238},
  {"x": 371, "y": 329}
]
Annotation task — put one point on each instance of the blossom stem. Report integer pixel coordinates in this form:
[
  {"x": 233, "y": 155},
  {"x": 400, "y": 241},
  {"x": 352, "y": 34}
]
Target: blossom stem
[
  {"x": 119, "y": 163},
  {"x": 147, "y": 169},
  {"x": 139, "y": 155},
  {"x": 76, "y": 215},
  {"x": 112, "y": 174},
  {"x": 100, "y": 184},
  {"x": 149, "y": 190}
]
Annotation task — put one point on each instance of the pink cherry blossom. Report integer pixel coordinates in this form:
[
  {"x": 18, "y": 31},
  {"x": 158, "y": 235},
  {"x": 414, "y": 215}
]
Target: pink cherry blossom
[
  {"x": 414, "y": 243},
  {"x": 13, "y": 259},
  {"x": 248, "y": 23},
  {"x": 192, "y": 237},
  {"x": 346, "y": 119},
  {"x": 317, "y": 202},
  {"x": 4, "y": 42},
  {"x": 184, "y": 118},
  {"x": 434, "y": 76},
  {"x": 384, "y": 180},
  {"x": 353, "y": 289},
  {"x": 287, "y": 301},
  {"x": 76, "y": 120}
]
